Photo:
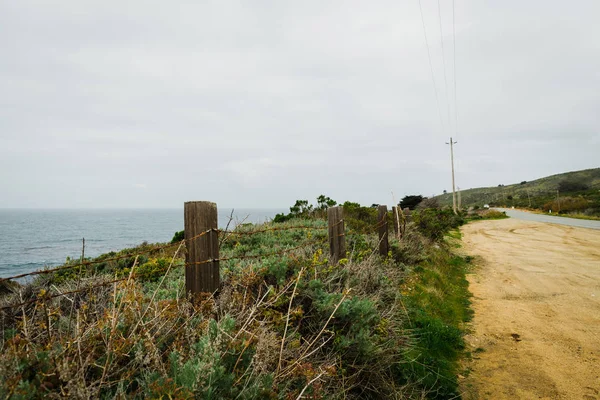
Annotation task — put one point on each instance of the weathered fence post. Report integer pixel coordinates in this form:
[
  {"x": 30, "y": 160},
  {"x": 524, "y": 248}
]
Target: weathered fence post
[
  {"x": 396, "y": 219},
  {"x": 202, "y": 265},
  {"x": 382, "y": 222},
  {"x": 337, "y": 240}
]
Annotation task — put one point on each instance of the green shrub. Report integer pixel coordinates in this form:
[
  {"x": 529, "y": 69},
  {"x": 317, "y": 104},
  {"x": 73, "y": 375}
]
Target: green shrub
[
  {"x": 153, "y": 269},
  {"x": 566, "y": 204},
  {"x": 435, "y": 223},
  {"x": 359, "y": 218},
  {"x": 492, "y": 214},
  {"x": 280, "y": 218},
  {"x": 178, "y": 237}
]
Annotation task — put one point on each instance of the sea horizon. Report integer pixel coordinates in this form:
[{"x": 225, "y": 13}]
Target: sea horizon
[
  {"x": 35, "y": 238},
  {"x": 129, "y": 208}
]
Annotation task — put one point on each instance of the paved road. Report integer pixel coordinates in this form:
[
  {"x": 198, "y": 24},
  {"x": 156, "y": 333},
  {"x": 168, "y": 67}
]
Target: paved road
[{"x": 579, "y": 223}]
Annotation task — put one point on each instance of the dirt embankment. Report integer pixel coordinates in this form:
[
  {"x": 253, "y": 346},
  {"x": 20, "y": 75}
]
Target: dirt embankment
[{"x": 536, "y": 330}]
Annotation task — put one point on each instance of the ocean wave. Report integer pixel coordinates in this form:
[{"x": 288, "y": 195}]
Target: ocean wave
[{"x": 37, "y": 248}]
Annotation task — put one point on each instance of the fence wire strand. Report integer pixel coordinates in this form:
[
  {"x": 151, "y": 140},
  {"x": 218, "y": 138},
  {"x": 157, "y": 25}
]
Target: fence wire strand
[
  {"x": 311, "y": 242},
  {"x": 234, "y": 232},
  {"x": 151, "y": 250},
  {"x": 47, "y": 296},
  {"x": 95, "y": 262}
]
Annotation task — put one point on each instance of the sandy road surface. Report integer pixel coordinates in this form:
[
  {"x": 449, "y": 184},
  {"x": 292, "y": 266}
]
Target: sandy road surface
[{"x": 536, "y": 330}]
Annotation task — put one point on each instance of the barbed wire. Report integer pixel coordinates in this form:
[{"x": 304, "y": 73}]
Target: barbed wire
[
  {"x": 136, "y": 276},
  {"x": 144, "y": 252},
  {"x": 372, "y": 228},
  {"x": 282, "y": 228},
  {"x": 47, "y": 297},
  {"x": 287, "y": 250},
  {"x": 95, "y": 262},
  {"x": 380, "y": 224}
]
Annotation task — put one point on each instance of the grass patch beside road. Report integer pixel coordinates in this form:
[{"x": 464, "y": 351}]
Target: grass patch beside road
[{"x": 438, "y": 304}]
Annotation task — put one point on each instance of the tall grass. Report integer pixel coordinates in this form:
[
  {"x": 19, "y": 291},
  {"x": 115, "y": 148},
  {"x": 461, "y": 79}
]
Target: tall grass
[{"x": 282, "y": 326}]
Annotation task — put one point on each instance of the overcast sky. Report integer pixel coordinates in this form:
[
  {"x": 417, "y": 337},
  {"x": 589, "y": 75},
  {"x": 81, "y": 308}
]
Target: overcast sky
[{"x": 259, "y": 103}]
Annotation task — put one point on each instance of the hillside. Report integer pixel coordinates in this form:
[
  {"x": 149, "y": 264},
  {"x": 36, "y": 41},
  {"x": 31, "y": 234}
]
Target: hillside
[
  {"x": 578, "y": 191},
  {"x": 287, "y": 322}
]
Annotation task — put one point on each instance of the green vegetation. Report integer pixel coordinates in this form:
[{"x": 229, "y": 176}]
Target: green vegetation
[
  {"x": 411, "y": 201},
  {"x": 486, "y": 214},
  {"x": 434, "y": 223},
  {"x": 178, "y": 237},
  {"x": 282, "y": 326},
  {"x": 580, "y": 216},
  {"x": 438, "y": 301},
  {"x": 575, "y": 192},
  {"x": 302, "y": 209}
]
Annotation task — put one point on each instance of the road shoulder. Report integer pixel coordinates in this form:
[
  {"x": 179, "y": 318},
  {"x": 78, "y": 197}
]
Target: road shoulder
[{"x": 536, "y": 298}]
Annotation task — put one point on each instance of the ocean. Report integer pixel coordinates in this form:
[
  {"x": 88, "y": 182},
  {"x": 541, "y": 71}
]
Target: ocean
[{"x": 33, "y": 239}]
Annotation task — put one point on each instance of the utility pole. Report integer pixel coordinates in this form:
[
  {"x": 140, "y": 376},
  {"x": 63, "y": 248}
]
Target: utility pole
[
  {"x": 558, "y": 199},
  {"x": 529, "y": 198},
  {"x": 453, "y": 187}
]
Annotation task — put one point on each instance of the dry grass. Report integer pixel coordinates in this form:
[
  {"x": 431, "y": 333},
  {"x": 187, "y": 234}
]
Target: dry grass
[{"x": 291, "y": 326}]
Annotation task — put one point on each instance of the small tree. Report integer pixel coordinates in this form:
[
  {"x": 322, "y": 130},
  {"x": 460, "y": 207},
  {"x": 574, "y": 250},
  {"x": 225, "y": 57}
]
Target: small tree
[
  {"x": 301, "y": 208},
  {"x": 410, "y": 201},
  {"x": 324, "y": 202}
]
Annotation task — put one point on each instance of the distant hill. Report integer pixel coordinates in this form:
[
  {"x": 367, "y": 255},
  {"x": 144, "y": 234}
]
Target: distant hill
[{"x": 572, "y": 187}]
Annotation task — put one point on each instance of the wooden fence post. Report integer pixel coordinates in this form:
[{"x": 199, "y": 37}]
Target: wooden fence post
[
  {"x": 396, "y": 219},
  {"x": 337, "y": 240},
  {"x": 201, "y": 272},
  {"x": 382, "y": 221}
]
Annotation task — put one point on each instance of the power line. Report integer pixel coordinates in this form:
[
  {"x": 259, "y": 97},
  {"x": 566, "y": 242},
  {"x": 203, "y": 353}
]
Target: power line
[
  {"x": 451, "y": 143},
  {"x": 455, "y": 96},
  {"x": 437, "y": 100},
  {"x": 444, "y": 62},
  {"x": 454, "y": 58}
]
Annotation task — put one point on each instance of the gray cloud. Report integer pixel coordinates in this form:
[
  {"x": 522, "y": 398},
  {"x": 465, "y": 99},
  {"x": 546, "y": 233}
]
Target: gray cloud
[{"x": 149, "y": 104}]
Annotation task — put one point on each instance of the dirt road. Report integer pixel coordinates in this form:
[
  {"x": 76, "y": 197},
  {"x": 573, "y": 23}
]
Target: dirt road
[{"x": 536, "y": 330}]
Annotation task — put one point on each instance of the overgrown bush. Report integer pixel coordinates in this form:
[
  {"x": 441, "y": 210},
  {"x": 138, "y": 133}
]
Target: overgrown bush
[
  {"x": 493, "y": 214},
  {"x": 435, "y": 223},
  {"x": 178, "y": 237},
  {"x": 567, "y": 204},
  {"x": 359, "y": 218}
]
